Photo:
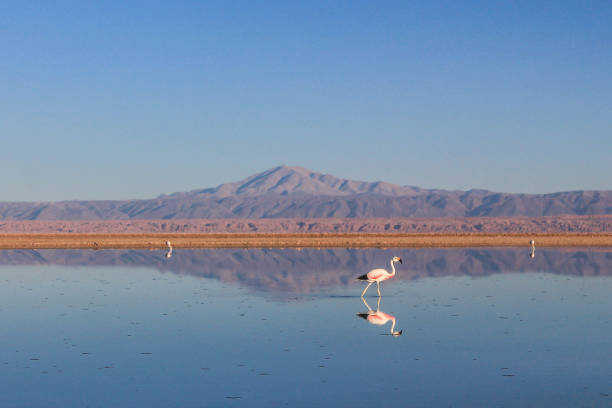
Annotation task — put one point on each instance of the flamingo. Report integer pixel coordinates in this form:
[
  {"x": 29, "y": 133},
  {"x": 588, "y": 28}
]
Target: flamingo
[
  {"x": 379, "y": 275},
  {"x": 379, "y": 317},
  {"x": 169, "y": 245},
  {"x": 532, "y": 251}
]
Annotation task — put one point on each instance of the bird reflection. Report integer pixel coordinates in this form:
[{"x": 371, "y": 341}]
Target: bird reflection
[
  {"x": 169, "y": 253},
  {"x": 532, "y": 250},
  {"x": 379, "y": 317}
]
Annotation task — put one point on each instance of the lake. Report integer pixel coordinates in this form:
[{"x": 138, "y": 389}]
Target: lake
[{"x": 287, "y": 327}]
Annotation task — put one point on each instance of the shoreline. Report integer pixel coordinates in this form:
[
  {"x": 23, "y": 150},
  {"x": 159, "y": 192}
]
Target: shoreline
[{"x": 261, "y": 240}]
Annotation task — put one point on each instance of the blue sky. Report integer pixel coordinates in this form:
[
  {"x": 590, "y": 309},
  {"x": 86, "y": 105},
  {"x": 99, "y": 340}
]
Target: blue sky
[{"x": 109, "y": 100}]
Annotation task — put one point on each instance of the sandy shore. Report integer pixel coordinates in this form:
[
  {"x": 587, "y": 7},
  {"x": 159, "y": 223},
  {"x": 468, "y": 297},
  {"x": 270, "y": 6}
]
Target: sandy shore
[{"x": 156, "y": 241}]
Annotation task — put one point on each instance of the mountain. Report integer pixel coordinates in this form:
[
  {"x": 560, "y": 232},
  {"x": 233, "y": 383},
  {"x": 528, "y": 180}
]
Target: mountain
[
  {"x": 286, "y": 180},
  {"x": 295, "y": 192}
]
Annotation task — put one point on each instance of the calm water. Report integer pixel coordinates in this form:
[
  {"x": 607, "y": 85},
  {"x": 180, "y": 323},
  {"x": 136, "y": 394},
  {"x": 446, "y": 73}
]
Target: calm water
[{"x": 267, "y": 328}]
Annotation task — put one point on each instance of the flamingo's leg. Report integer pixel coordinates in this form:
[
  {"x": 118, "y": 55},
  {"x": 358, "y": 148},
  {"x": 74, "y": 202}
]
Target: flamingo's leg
[
  {"x": 378, "y": 284},
  {"x": 366, "y": 288}
]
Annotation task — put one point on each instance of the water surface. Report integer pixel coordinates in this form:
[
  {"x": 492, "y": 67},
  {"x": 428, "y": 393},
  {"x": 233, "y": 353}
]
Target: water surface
[{"x": 281, "y": 328}]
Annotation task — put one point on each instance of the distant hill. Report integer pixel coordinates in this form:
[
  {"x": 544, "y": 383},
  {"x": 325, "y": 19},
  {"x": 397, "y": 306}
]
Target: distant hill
[{"x": 296, "y": 192}]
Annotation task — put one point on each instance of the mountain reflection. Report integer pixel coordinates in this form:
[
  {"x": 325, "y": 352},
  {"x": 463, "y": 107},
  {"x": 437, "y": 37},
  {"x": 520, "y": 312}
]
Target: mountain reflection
[{"x": 308, "y": 270}]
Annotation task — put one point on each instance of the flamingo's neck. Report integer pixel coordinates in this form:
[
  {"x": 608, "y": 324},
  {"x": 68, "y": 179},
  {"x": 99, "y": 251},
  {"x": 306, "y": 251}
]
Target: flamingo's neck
[{"x": 392, "y": 268}]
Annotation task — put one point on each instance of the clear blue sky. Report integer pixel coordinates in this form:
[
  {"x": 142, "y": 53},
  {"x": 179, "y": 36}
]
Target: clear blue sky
[{"x": 132, "y": 99}]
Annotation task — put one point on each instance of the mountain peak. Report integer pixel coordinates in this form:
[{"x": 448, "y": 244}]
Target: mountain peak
[{"x": 285, "y": 180}]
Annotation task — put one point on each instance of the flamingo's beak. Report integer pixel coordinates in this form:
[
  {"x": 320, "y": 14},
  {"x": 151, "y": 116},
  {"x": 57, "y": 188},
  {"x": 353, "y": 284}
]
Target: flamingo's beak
[
  {"x": 400, "y": 260},
  {"x": 397, "y": 333}
]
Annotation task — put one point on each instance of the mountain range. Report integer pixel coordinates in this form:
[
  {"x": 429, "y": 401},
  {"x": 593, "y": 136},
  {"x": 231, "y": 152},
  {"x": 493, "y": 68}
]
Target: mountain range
[{"x": 296, "y": 192}]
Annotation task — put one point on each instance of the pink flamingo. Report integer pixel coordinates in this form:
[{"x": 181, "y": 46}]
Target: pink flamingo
[
  {"x": 379, "y": 275},
  {"x": 379, "y": 317}
]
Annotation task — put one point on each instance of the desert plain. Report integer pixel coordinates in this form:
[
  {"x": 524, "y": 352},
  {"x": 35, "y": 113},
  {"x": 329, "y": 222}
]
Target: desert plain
[{"x": 584, "y": 231}]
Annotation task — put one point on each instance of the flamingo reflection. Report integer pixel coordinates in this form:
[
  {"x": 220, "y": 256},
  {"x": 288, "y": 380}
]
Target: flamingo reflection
[
  {"x": 169, "y": 253},
  {"x": 532, "y": 250},
  {"x": 379, "y": 317}
]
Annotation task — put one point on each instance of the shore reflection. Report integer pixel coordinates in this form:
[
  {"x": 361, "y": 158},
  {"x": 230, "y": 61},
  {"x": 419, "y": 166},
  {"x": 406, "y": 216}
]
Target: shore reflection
[{"x": 310, "y": 270}]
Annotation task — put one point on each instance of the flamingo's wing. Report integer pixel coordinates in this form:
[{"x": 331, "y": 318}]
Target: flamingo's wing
[{"x": 376, "y": 273}]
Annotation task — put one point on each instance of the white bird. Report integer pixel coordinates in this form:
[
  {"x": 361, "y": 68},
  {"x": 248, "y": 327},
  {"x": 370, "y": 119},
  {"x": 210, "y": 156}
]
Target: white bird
[
  {"x": 379, "y": 275},
  {"x": 532, "y": 251},
  {"x": 169, "y": 253},
  {"x": 379, "y": 317}
]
